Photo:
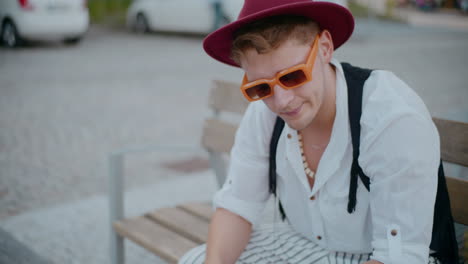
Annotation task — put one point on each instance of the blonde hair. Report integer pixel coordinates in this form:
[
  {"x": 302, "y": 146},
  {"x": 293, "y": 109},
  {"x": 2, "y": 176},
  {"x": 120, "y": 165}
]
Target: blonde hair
[{"x": 267, "y": 34}]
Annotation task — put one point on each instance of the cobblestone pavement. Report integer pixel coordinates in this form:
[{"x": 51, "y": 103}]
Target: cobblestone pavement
[{"x": 63, "y": 109}]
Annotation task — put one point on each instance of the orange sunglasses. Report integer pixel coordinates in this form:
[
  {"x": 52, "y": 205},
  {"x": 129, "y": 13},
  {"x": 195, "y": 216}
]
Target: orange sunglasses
[{"x": 290, "y": 78}]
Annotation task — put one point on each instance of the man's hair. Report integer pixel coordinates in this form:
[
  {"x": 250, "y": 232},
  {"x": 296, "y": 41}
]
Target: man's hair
[{"x": 267, "y": 34}]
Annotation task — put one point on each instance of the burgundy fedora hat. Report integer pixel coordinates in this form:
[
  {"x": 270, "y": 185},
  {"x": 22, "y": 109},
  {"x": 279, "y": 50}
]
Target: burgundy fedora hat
[{"x": 333, "y": 17}]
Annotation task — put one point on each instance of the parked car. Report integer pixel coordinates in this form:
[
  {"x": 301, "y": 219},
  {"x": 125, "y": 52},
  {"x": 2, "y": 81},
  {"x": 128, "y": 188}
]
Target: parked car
[
  {"x": 463, "y": 5},
  {"x": 66, "y": 20},
  {"x": 194, "y": 16}
]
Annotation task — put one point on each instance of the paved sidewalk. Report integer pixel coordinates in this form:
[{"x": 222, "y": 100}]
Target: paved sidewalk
[
  {"x": 78, "y": 232},
  {"x": 14, "y": 252}
]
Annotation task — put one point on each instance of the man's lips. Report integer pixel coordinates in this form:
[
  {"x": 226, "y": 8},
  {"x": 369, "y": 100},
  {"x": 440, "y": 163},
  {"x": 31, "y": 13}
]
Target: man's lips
[{"x": 293, "y": 112}]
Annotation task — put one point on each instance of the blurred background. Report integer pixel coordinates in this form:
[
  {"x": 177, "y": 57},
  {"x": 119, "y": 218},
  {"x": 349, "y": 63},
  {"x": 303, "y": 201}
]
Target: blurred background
[{"x": 80, "y": 79}]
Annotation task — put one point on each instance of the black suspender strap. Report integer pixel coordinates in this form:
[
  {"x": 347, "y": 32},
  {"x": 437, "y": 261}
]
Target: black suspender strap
[{"x": 355, "y": 79}]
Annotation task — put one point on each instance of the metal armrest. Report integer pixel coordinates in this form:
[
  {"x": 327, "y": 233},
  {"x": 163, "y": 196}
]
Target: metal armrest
[{"x": 116, "y": 190}]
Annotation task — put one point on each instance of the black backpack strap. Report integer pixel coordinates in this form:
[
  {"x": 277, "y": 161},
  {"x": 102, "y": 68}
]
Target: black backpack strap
[
  {"x": 279, "y": 125},
  {"x": 278, "y": 128},
  {"x": 443, "y": 231},
  {"x": 355, "y": 79}
]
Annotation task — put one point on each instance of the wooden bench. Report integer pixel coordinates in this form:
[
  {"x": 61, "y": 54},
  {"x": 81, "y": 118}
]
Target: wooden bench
[
  {"x": 454, "y": 149},
  {"x": 170, "y": 232}
]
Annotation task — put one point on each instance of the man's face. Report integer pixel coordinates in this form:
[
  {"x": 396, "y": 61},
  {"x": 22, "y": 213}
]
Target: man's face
[{"x": 299, "y": 106}]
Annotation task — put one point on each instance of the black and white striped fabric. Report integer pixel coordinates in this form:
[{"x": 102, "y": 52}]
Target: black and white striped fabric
[{"x": 279, "y": 243}]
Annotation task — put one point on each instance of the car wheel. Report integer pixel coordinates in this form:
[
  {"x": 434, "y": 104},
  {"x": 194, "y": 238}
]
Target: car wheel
[
  {"x": 10, "y": 37},
  {"x": 141, "y": 24},
  {"x": 72, "y": 41}
]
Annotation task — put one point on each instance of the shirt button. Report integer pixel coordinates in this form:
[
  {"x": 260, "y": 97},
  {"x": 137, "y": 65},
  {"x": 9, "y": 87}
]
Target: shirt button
[
  {"x": 393, "y": 232},
  {"x": 289, "y": 136},
  {"x": 319, "y": 237},
  {"x": 312, "y": 197}
]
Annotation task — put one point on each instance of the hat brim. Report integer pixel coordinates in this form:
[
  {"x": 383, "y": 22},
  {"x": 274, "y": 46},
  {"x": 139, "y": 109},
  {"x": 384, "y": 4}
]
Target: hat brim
[{"x": 332, "y": 17}]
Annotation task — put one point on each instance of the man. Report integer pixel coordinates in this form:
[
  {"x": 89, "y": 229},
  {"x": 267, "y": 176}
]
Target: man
[{"x": 285, "y": 48}]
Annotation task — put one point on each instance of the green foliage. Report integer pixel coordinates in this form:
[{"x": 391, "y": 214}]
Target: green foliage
[
  {"x": 97, "y": 10},
  {"x": 357, "y": 9},
  {"x": 102, "y": 11},
  {"x": 362, "y": 11},
  {"x": 389, "y": 7}
]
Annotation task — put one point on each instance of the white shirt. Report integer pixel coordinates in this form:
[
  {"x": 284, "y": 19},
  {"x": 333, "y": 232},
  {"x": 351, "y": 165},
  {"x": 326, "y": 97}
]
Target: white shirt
[{"x": 399, "y": 152}]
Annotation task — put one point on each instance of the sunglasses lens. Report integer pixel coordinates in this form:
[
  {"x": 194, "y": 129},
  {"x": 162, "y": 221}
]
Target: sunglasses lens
[
  {"x": 258, "y": 91},
  {"x": 293, "y": 78}
]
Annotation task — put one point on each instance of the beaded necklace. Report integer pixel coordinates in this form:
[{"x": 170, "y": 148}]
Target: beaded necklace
[{"x": 308, "y": 171}]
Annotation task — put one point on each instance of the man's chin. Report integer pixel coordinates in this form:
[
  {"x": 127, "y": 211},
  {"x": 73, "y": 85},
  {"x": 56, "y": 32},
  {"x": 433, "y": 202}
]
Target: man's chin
[{"x": 295, "y": 124}]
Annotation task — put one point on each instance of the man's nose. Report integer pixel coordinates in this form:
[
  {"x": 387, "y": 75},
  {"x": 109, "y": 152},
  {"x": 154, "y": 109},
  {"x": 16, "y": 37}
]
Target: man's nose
[{"x": 282, "y": 97}]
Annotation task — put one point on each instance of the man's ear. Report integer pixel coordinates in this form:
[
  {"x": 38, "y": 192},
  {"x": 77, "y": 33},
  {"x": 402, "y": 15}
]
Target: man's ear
[{"x": 326, "y": 48}]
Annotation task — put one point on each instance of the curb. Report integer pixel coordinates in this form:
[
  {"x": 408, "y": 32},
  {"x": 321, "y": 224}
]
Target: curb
[
  {"x": 14, "y": 252},
  {"x": 442, "y": 18}
]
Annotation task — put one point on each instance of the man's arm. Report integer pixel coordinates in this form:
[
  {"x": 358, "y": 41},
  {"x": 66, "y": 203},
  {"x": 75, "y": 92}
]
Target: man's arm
[{"x": 227, "y": 238}]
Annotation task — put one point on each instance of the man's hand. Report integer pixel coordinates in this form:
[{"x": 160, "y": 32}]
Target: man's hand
[{"x": 373, "y": 262}]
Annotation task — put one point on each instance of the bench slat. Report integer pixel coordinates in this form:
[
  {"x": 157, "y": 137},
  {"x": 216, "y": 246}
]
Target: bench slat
[
  {"x": 182, "y": 222},
  {"x": 154, "y": 237},
  {"x": 453, "y": 140},
  {"x": 218, "y": 136},
  {"x": 458, "y": 191},
  {"x": 226, "y": 97},
  {"x": 202, "y": 210}
]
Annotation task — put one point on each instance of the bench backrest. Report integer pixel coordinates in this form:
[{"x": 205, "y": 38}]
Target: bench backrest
[
  {"x": 218, "y": 138},
  {"x": 219, "y": 131},
  {"x": 454, "y": 149}
]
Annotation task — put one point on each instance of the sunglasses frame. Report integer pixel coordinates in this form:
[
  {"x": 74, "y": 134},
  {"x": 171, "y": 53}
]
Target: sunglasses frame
[{"x": 305, "y": 67}]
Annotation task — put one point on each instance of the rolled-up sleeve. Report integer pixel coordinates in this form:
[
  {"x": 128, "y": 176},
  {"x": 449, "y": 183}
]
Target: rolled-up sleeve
[
  {"x": 400, "y": 152},
  {"x": 245, "y": 191}
]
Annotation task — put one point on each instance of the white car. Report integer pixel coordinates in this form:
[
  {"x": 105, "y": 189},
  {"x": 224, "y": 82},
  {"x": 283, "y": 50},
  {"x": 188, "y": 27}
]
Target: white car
[
  {"x": 66, "y": 20},
  {"x": 194, "y": 16}
]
